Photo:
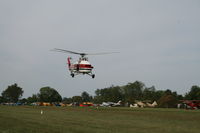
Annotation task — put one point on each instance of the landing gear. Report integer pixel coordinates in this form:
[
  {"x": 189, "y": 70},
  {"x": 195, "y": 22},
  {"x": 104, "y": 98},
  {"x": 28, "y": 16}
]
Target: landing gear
[
  {"x": 90, "y": 74},
  {"x": 93, "y": 76},
  {"x": 72, "y": 75}
]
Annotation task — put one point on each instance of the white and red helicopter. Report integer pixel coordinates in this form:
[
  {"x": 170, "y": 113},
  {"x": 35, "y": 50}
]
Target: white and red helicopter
[{"x": 82, "y": 66}]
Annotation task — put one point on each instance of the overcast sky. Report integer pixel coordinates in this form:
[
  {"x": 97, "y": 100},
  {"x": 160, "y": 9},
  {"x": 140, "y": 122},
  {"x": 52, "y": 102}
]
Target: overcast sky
[{"x": 158, "y": 41}]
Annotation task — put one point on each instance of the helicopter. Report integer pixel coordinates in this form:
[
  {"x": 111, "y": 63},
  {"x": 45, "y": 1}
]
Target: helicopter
[{"x": 82, "y": 66}]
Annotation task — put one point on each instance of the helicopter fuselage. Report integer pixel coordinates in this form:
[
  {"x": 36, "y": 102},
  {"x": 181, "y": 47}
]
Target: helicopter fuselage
[{"x": 82, "y": 66}]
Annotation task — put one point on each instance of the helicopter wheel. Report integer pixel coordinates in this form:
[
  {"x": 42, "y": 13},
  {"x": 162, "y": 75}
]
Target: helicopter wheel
[
  {"x": 72, "y": 75},
  {"x": 93, "y": 76}
]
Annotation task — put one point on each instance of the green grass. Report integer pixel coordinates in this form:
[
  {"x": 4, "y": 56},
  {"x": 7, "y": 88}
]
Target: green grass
[{"x": 27, "y": 119}]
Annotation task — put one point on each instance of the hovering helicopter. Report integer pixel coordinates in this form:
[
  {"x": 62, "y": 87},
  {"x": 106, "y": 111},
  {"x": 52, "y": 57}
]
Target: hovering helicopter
[{"x": 82, "y": 66}]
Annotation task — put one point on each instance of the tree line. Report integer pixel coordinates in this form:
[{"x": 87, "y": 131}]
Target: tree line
[{"x": 129, "y": 93}]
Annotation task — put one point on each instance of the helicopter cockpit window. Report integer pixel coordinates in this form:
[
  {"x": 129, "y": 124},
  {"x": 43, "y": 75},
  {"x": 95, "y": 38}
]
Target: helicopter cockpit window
[{"x": 85, "y": 59}]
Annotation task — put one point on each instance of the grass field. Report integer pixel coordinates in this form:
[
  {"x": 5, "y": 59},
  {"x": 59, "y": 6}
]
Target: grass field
[{"x": 28, "y": 119}]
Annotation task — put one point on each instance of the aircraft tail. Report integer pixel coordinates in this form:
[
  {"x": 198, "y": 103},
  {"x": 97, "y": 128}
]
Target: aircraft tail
[{"x": 69, "y": 61}]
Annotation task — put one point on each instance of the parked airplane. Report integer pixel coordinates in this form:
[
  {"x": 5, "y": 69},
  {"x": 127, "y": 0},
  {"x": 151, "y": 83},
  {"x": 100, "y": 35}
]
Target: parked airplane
[{"x": 111, "y": 104}]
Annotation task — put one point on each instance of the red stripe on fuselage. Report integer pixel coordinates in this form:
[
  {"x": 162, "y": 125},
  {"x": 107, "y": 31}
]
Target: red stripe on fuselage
[{"x": 83, "y": 66}]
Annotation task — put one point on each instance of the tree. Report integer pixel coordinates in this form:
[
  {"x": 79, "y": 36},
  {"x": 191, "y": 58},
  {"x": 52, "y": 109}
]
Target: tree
[
  {"x": 194, "y": 93},
  {"x": 86, "y": 97},
  {"x": 77, "y": 99},
  {"x": 158, "y": 94},
  {"x": 48, "y": 94},
  {"x": 97, "y": 97},
  {"x": 116, "y": 93},
  {"x": 33, "y": 99},
  {"x": 23, "y": 101},
  {"x": 67, "y": 100},
  {"x": 133, "y": 91},
  {"x": 2, "y": 100},
  {"x": 168, "y": 100},
  {"x": 12, "y": 93},
  {"x": 111, "y": 94},
  {"x": 149, "y": 93}
]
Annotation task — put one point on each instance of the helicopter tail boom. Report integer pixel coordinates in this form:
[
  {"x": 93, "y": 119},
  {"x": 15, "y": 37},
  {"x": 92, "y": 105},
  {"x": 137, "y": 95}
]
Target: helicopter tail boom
[{"x": 69, "y": 61}]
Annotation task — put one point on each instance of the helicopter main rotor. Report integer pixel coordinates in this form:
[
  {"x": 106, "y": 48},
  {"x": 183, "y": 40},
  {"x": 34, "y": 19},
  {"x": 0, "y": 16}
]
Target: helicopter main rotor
[
  {"x": 71, "y": 52},
  {"x": 81, "y": 54}
]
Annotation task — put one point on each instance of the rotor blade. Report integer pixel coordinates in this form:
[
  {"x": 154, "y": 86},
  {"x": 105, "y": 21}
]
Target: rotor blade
[
  {"x": 82, "y": 54},
  {"x": 102, "y": 53},
  {"x": 67, "y": 51}
]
